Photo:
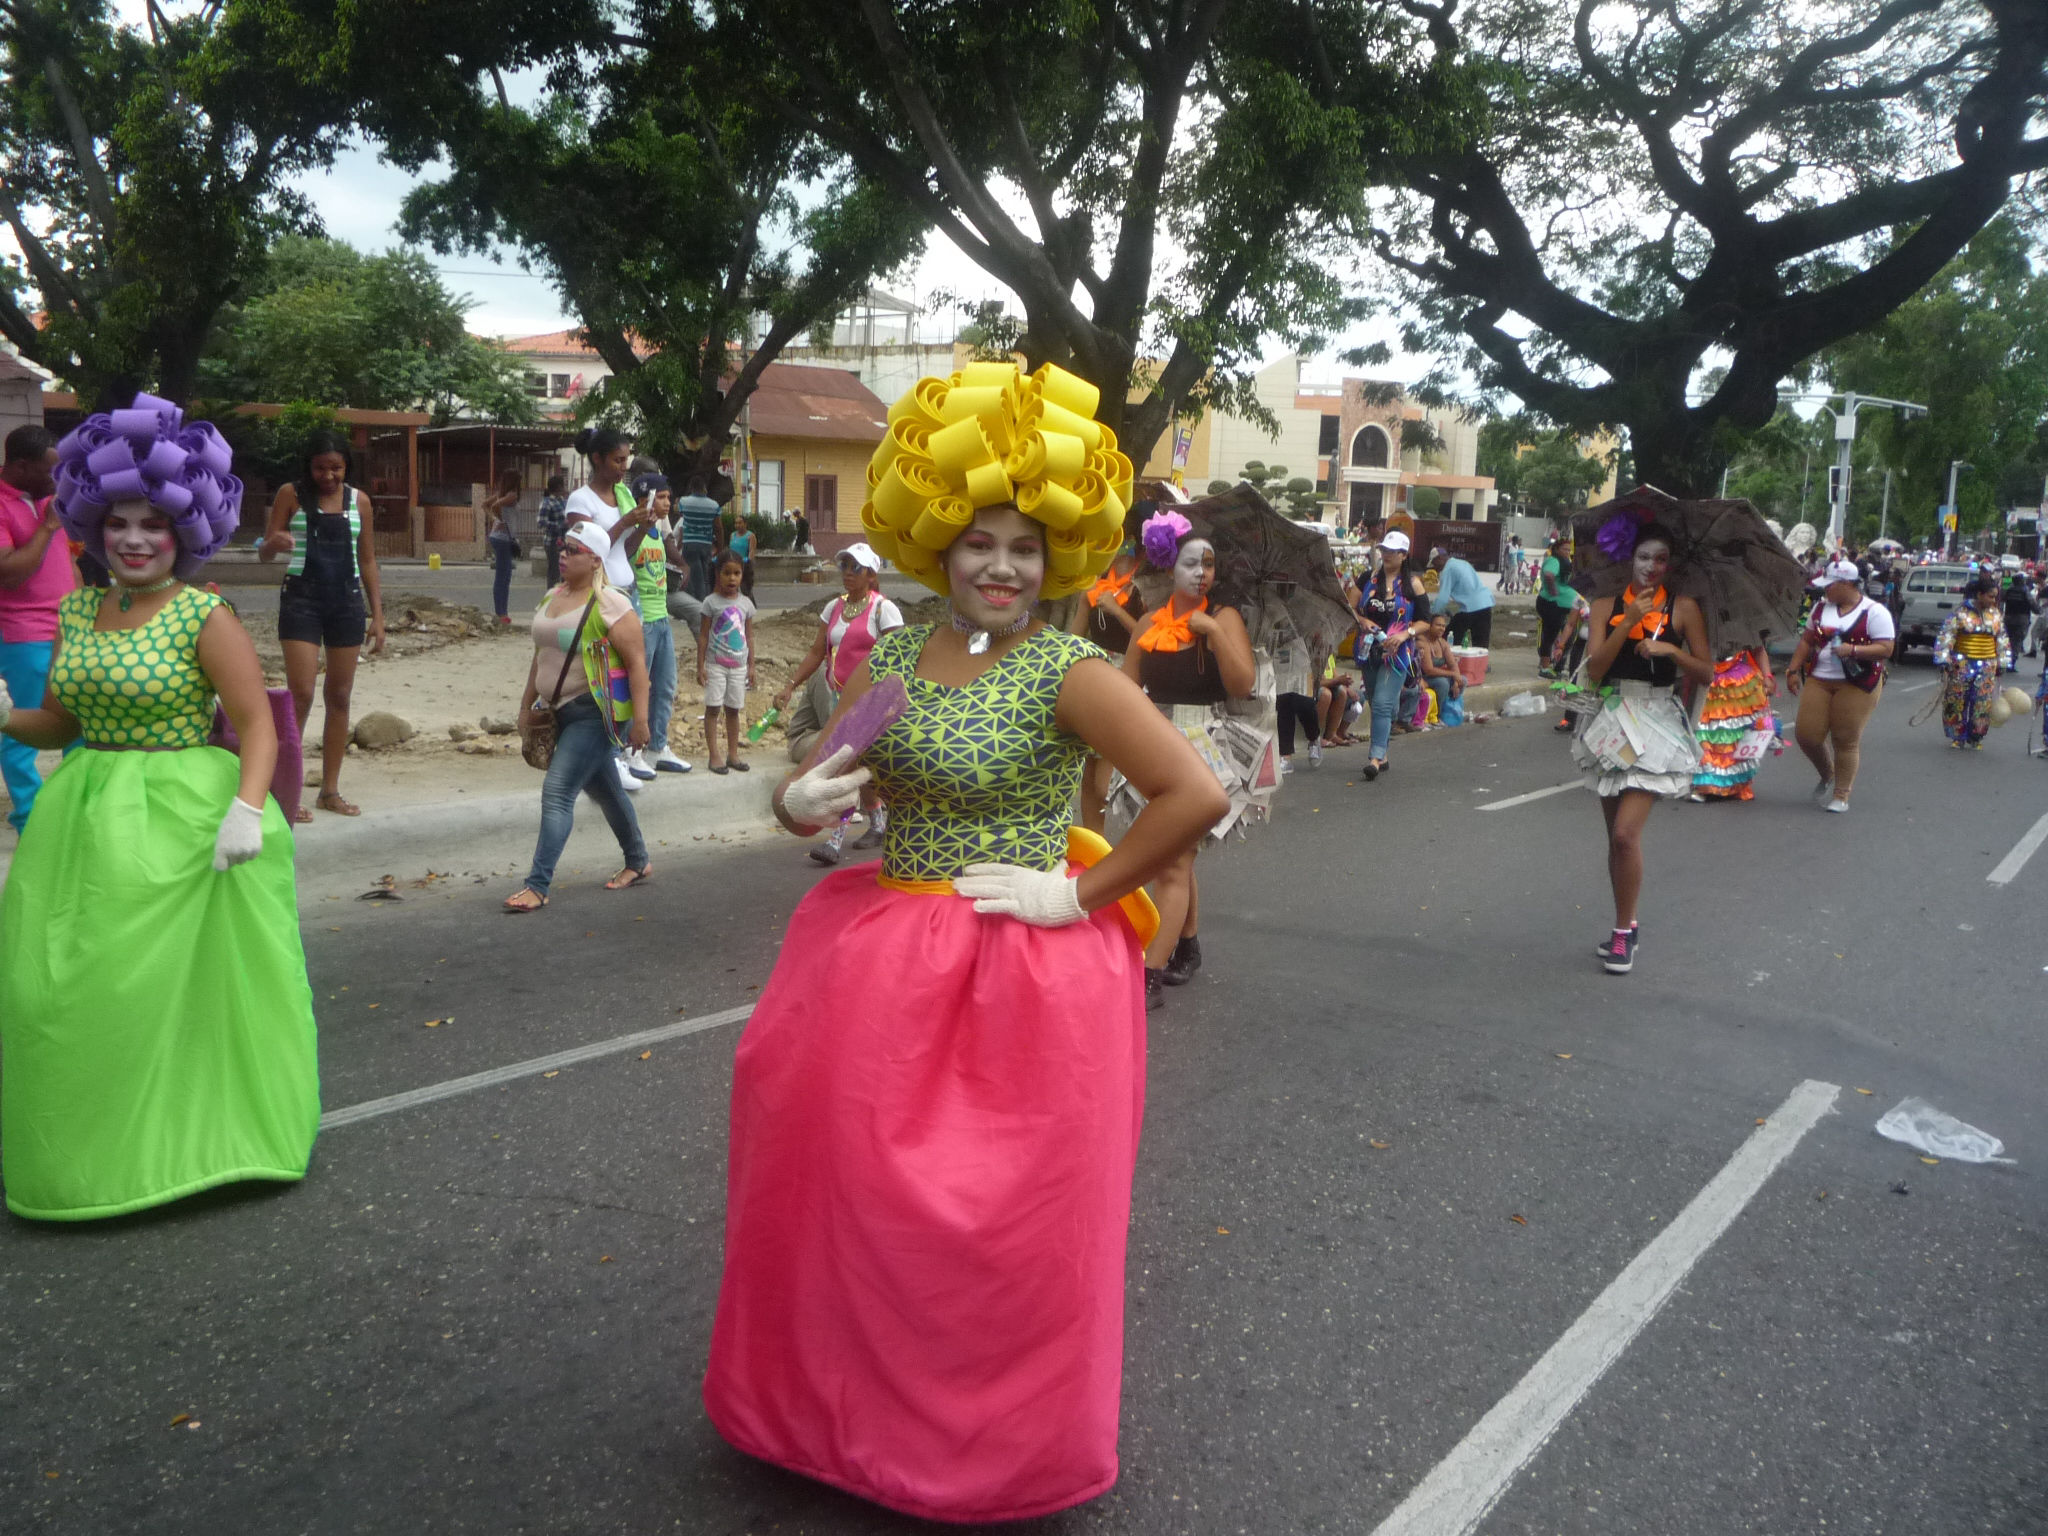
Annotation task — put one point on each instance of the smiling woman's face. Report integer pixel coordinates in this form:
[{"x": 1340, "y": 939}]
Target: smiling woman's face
[
  {"x": 140, "y": 544},
  {"x": 995, "y": 569}
]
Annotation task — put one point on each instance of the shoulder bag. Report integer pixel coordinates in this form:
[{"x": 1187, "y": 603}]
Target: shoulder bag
[{"x": 537, "y": 740}]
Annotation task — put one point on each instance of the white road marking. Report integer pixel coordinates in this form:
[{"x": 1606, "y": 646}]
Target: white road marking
[
  {"x": 1916, "y": 687},
  {"x": 370, "y": 1109},
  {"x": 2023, "y": 850},
  {"x": 1536, "y": 794},
  {"x": 1466, "y": 1484}
]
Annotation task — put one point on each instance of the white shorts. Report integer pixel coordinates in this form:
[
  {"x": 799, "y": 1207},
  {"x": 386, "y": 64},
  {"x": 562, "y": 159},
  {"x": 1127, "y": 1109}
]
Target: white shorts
[{"x": 725, "y": 687}]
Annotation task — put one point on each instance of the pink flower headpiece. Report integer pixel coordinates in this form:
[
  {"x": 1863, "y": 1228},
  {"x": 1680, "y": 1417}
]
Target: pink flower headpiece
[{"x": 1161, "y": 536}]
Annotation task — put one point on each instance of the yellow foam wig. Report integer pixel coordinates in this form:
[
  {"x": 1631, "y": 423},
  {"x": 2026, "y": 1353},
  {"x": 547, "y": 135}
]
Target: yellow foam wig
[{"x": 991, "y": 435}]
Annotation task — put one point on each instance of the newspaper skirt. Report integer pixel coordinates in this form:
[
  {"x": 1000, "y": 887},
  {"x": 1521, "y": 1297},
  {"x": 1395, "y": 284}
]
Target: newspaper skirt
[
  {"x": 1241, "y": 754},
  {"x": 1639, "y": 739}
]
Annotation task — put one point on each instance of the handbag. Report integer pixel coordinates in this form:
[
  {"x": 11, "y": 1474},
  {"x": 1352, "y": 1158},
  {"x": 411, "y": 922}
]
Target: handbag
[{"x": 537, "y": 740}]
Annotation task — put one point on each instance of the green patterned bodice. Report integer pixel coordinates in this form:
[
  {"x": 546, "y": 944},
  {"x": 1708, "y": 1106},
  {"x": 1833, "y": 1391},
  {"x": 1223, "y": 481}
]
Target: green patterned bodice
[
  {"x": 135, "y": 687},
  {"x": 980, "y": 774}
]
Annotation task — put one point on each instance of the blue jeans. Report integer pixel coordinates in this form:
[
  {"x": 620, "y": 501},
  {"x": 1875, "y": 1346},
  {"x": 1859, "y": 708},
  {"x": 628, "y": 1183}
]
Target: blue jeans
[
  {"x": 501, "y": 581},
  {"x": 1384, "y": 684},
  {"x": 25, "y": 668},
  {"x": 582, "y": 761},
  {"x": 661, "y": 681},
  {"x": 697, "y": 558}
]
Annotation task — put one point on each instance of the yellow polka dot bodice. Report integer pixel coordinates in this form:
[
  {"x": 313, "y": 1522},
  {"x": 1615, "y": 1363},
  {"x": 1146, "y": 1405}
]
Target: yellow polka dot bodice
[{"x": 135, "y": 687}]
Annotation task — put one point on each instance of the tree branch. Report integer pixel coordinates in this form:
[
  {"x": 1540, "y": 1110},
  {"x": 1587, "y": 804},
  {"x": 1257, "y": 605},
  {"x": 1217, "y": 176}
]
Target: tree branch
[{"x": 90, "y": 171}]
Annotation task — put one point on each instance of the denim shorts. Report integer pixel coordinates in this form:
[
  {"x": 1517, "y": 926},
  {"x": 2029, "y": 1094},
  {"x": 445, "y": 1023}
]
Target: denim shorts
[{"x": 336, "y": 617}]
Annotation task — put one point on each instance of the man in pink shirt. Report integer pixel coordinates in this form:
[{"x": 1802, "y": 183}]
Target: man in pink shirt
[{"x": 35, "y": 573}]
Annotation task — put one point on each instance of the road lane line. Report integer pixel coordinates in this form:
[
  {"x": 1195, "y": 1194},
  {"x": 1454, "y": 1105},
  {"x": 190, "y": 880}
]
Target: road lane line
[
  {"x": 370, "y": 1109},
  {"x": 2023, "y": 850},
  {"x": 1916, "y": 687},
  {"x": 1536, "y": 794},
  {"x": 1466, "y": 1484}
]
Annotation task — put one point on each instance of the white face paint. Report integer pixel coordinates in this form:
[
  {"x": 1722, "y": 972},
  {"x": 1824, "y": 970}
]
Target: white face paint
[
  {"x": 1652, "y": 560},
  {"x": 1194, "y": 570},
  {"x": 140, "y": 545},
  {"x": 996, "y": 568}
]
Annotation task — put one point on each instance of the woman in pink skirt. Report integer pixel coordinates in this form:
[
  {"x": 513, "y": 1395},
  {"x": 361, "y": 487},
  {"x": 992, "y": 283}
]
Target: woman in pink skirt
[{"x": 930, "y": 1176}]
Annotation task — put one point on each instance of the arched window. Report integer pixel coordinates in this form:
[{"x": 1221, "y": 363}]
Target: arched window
[{"x": 1369, "y": 447}]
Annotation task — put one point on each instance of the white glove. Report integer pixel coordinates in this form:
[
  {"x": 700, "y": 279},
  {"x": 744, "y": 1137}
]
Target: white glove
[
  {"x": 826, "y": 792},
  {"x": 6, "y": 704},
  {"x": 241, "y": 835},
  {"x": 1044, "y": 898}
]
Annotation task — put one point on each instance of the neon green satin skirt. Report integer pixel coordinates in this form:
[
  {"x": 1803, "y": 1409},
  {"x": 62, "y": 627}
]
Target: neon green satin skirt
[{"x": 156, "y": 1026}]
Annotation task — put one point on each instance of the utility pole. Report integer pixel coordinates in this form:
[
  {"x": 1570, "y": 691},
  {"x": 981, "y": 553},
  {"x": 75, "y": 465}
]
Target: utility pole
[
  {"x": 1845, "y": 443},
  {"x": 1884, "y": 513}
]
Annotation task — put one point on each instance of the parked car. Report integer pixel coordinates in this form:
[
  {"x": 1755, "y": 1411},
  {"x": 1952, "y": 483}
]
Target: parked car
[{"x": 1931, "y": 595}]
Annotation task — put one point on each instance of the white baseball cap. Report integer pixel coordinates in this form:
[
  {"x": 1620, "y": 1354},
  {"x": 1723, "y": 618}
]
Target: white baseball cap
[
  {"x": 1395, "y": 539},
  {"x": 861, "y": 554},
  {"x": 1841, "y": 570},
  {"x": 590, "y": 537}
]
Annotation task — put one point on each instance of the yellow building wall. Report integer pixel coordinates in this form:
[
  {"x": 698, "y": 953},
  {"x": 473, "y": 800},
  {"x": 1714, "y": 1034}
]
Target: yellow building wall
[{"x": 805, "y": 456}]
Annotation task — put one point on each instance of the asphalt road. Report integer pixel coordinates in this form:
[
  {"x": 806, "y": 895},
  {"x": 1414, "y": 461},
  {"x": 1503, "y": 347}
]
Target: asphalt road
[{"x": 490, "y": 1313}]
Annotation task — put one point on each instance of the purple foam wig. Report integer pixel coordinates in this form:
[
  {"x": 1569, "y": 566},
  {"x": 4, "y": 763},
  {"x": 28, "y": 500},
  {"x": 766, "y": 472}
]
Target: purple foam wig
[
  {"x": 149, "y": 453},
  {"x": 1161, "y": 536}
]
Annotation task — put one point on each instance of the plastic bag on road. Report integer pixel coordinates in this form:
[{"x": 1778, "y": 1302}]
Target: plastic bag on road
[
  {"x": 1918, "y": 1123},
  {"x": 1524, "y": 704}
]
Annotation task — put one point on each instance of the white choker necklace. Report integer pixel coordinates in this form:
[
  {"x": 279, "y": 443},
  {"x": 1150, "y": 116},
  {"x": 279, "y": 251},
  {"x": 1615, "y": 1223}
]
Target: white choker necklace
[{"x": 979, "y": 639}]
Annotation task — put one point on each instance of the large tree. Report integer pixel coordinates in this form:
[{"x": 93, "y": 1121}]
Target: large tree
[
  {"x": 1664, "y": 185},
  {"x": 692, "y": 229},
  {"x": 143, "y": 174},
  {"x": 1155, "y": 179},
  {"x": 328, "y": 325}
]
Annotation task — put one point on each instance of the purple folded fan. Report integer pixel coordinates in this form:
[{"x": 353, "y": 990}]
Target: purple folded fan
[
  {"x": 287, "y": 780},
  {"x": 872, "y": 713}
]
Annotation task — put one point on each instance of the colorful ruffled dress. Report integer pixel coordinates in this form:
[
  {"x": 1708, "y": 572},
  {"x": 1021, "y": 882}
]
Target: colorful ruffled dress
[
  {"x": 1971, "y": 651},
  {"x": 156, "y": 1026},
  {"x": 1738, "y": 705},
  {"x": 935, "y": 1119}
]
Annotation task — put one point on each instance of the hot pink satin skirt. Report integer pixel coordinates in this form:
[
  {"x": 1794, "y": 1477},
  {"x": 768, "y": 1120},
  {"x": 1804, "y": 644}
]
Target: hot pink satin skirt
[{"x": 935, "y": 1118}]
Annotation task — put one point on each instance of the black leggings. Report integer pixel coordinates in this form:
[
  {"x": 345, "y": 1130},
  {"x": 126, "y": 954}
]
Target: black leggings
[
  {"x": 1296, "y": 707},
  {"x": 1549, "y": 620}
]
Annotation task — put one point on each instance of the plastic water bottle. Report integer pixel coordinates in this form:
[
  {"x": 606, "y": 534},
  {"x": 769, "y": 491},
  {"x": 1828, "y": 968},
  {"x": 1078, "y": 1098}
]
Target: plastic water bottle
[{"x": 760, "y": 727}]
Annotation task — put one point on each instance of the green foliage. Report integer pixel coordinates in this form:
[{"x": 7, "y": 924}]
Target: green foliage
[
  {"x": 1545, "y": 471},
  {"x": 326, "y": 323},
  {"x": 1218, "y": 487},
  {"x": 1972, "y": 347},
  {"x": 1656, "y": 182},
  {"x": 144, "y": 171},
  {"x": 1118, "y": 121},
  {"x": 270, "y": 445},
  {"x": 1425, "y": 500}
]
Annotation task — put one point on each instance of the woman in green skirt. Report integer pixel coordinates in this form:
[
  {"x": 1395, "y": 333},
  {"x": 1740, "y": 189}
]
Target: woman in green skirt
[{"x": 156, "y": 1027}]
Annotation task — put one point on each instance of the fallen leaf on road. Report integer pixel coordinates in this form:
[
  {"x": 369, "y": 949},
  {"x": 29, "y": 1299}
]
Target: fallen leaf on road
[
  {"x": 605, "y": 1259},
  {"x": 376, "y": 1005},
  {"x": 1866, "y": 1092},
  {"x": 180, "y": 1419},
  {"x": 334, "y": 930},
  {"x": 645, "y": 1054},
  {"x": 1760, "y": 1120},
  {"x": 1564, "y": 1055},
  {"x": 1223, "y": 1231},
  {"x": 1900, "y": 1189},
  {"x": 556, "y": 1073},
  {"x": 1379, "y": 1146},
  {"x": 1932, "y": 1162},
  {"x": 1520, "y": 1221},
  {"x": 681, "y": 1011},
  {"x": 1822, "y": 1195}
]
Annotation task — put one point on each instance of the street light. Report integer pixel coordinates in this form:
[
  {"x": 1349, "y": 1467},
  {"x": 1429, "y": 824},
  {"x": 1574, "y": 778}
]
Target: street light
[
  {"x": 1845, "y": 440},
  {"x": 1951, "y": 517}
]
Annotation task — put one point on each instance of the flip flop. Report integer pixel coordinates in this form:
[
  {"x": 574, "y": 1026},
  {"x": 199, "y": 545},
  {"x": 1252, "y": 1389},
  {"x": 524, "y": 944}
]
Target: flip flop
[
  {"x": 519, "y": 908},
  {"x": 331, "y": 800},
  {"x": 303, "y": 815},
  {"x": 740, "y": 765},
  {"x": 626, "y": 879}
]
